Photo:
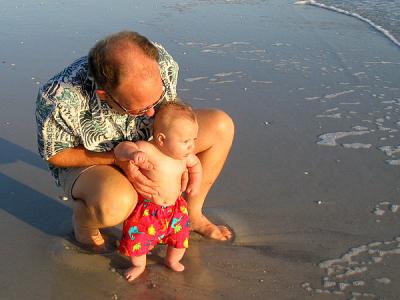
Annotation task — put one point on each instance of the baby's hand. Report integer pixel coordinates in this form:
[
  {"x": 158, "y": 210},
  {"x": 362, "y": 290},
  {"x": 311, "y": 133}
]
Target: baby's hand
[{"x": 141, "y": 160}]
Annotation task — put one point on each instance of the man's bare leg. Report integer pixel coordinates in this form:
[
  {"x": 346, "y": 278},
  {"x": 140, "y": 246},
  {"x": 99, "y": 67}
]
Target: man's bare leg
[
  {"x": 138, "y": 266},
  {"x": 216, "y": 131},
  {"x": 173, "y": 258},
  {"x": 105, "y": 198}
]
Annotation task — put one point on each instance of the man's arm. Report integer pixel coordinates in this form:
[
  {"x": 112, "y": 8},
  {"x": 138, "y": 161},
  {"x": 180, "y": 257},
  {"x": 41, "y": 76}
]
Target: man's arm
[
  {"x": 122, "y": 156},
  {"x": 81, "y": 157},
  {"x": 195, "y": 173}
]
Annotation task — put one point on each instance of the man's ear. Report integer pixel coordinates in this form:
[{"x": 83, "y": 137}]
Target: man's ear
[
  {"x": 160, "y": 138},
  {"x": 102, "y": 94}
]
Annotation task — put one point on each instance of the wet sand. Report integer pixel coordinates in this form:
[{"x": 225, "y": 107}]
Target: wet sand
[{"x": 310, "y": 188}]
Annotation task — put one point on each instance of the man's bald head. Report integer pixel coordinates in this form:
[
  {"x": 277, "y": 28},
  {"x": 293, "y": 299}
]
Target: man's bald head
[{"x": 122, "y": 54}]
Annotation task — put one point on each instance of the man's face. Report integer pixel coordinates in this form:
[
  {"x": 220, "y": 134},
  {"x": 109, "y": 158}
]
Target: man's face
[{"x": 137, "y": 94}]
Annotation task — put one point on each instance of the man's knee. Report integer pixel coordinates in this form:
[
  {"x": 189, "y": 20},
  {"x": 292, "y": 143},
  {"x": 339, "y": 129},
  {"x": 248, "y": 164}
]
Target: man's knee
[
  {"x": 216, "y": 127},
  {"x": 108, "y": 196},
  {"x": 223, "y": 123},
  {"x": 114, "y": 207}
]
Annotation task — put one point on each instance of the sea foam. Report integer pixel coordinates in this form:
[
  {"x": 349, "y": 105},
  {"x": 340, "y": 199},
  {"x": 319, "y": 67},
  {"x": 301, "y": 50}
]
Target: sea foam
[{"x": 377, "y": 27}]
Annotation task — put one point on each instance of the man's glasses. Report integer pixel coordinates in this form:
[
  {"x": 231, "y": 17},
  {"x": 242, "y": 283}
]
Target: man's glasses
[{"x": 141, "y": 112}]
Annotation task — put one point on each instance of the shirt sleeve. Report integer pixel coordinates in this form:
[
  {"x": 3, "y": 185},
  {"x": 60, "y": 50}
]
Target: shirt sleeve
[
  {"x": 55, "y": 131},
  {"x": 169, "y": 71}
]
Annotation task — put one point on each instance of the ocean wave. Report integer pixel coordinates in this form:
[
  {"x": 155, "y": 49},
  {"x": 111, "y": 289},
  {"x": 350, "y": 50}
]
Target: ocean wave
[{"x": 377, "y": 27}]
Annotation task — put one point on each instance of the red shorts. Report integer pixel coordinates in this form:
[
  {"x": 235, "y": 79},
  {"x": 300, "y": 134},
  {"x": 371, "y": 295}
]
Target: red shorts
[{"x": 150, "y": 224}]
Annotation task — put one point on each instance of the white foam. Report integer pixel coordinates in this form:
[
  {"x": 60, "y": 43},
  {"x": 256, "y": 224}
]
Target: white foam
[
  {"x": 226, "y": 74},
  {"x": 254, "y": 51},
  {"x": 195, "y": 79},
  {"x": 350, "y": 103},
  {"x": 214, "y": 45},
  {"x": 358, "y": 283},
  {"x": 383, "y": 280},
  {"x": 388, "y": 129},
  {"x": 329, "y": 139},
  {"x": 315, "y": 98},
  {"x": 393, "y": 162},
  {"x": 345, "y": 12},
  {"x": 379, "y": 212},
  {"x": 381, "y": 208},
  {"x": 380, "y": 62},
  {"x": 331, "y": 96},
  {"x": 359, "y": 73},
  {"x": 332, "y": 109},
  {"x": 360, "y": 128},
  {"x": 341, "y": 273},
  {"x": 261, "y": 81},
  {"x": 393, "y": 207},
  {"x": 333, "y": 116},
  {"x": 208, "y": 51},
  {"x": 390, "y": 150},
  {"x": 357, "y": 146},
  {"x": 222, "y": 81}
]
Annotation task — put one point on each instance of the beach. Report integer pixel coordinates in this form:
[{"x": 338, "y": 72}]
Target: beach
[{"x": 311, "y": 185}]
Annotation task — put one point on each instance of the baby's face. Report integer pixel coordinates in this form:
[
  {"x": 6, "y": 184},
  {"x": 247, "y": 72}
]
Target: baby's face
[{"x": 180, "y": 138}]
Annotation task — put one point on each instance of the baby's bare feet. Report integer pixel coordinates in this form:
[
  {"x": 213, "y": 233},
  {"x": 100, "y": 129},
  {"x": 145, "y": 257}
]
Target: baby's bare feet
[
  {"x": 175, "y": 266},
  {"x": 133, "y": 272}
]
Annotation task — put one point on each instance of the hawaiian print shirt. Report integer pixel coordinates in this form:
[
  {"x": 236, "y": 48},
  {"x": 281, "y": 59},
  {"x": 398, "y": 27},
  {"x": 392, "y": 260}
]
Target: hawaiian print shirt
[{"x": 69, "y": 113}]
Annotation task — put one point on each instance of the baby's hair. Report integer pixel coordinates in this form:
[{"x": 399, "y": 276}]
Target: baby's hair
[{"x": 171, "y": 111}]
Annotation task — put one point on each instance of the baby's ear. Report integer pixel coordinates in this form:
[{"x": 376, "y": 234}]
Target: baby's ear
[{"x": 160, "y": 138}]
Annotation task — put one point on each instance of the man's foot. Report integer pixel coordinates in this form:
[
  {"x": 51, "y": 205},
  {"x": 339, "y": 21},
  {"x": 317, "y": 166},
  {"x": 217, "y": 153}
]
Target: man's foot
[
  {"x": 86, "y": 235},
  {"x": 133, "y": 273},
  {"x": 90, "y": 240},
  {"x": 206, "y": 228},
  {"x": 176, "y": 266}
]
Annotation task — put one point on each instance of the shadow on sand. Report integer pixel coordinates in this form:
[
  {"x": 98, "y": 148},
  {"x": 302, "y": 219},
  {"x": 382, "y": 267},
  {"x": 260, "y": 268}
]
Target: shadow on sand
[{"x": 25, "y": 203}]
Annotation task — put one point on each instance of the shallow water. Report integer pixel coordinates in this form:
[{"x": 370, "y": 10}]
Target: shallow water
[
  {"x": 385, "y": 13},
  {"x": 288, "y": 75}
]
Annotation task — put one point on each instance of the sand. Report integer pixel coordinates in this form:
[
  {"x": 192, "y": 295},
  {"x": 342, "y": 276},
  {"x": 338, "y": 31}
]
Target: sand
[{"x": 310, "y": 188}]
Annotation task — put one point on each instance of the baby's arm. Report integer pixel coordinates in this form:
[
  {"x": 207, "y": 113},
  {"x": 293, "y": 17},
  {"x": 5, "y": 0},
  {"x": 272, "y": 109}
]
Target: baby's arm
[
  {"x": 132, "y": 151},
  {"x": 195, "y": 172}
]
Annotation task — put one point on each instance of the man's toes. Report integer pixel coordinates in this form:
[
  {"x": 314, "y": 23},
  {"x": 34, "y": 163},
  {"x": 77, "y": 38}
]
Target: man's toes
[{"x": 225, "y": 232}]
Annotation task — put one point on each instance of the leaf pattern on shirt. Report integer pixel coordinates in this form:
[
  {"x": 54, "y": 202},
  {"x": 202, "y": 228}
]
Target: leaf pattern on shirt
[{"x": 69, "y": 113}]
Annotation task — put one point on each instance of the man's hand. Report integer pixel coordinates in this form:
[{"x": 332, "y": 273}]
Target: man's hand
[
  {"x": 141, "y": 183},
  {"x": 193, "y": 186},
  {"x": 194, "y": 174},
  {"x": 184, "y": 181}
]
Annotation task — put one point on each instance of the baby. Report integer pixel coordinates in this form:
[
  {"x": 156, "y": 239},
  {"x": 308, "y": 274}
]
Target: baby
[{"x": 164, "y": 218}]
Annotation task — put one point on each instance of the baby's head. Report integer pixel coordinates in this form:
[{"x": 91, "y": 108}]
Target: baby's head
[{"x": 175, "y": 129}]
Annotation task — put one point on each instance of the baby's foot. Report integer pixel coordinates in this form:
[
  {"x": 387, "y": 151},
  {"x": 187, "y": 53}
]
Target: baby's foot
[
  {"x": 133, "y": 272},
  {"x": 175, "y": 266}
]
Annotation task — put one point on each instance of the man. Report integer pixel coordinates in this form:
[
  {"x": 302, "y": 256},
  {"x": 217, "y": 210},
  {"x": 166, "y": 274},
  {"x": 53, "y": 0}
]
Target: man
[{"x": 110, "y": 96}]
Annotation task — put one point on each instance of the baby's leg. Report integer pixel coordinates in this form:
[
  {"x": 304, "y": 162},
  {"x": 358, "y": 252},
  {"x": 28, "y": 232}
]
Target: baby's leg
[
  {"x": 174, "y": 255},
  {"x": 139, "y": 264}
]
